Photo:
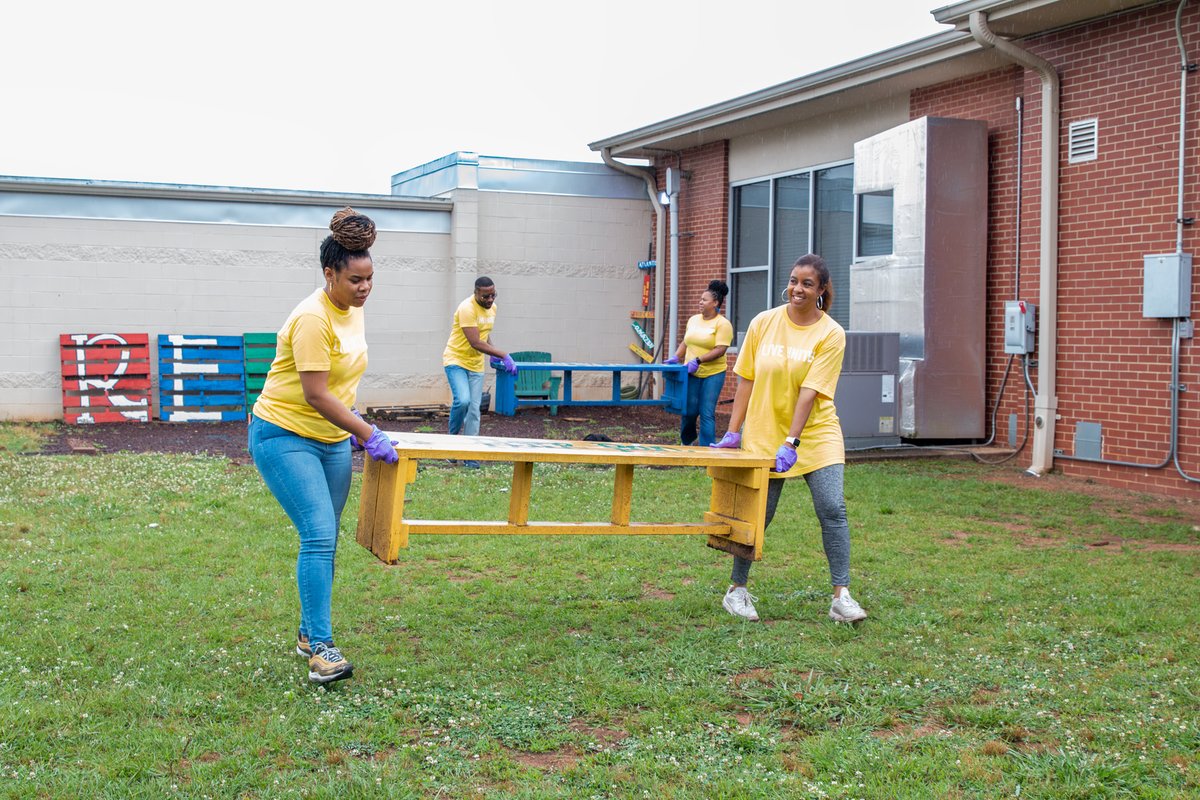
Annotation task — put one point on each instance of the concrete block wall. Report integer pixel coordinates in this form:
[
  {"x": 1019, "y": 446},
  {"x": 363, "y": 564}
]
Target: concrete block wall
[
  {"x": 566, "y": 275},
  {"x": 76, "y": 275},
  {"x": 1113, "y": 365}
]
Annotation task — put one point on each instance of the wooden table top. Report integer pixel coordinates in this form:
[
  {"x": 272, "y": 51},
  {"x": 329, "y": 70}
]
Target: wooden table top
[{"x": 494, "y": 448}]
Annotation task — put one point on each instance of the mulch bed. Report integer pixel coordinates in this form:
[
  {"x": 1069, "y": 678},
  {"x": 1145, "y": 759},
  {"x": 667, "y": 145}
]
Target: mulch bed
[{"x": 621, "y": 424}]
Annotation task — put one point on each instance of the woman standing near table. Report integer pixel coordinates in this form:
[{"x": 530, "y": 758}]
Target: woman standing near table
[
  {"x": 788, "y": 367},
  {"x": 705, "y": 341},
  {"x": 303, "y": 424}
]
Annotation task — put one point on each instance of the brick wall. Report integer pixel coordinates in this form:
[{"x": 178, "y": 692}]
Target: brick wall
[
  {"x": 703, "y": 225},
  {"x": 1113, "y": 365}
]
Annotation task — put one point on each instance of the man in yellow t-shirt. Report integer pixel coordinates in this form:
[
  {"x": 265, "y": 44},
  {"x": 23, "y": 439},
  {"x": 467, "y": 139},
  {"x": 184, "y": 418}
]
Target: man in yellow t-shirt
[{"x": 463, "y": 357}]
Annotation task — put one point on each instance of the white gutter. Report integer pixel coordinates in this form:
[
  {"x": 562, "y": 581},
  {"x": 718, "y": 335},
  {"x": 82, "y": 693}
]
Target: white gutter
[
  {"x": 1045, "y": 402},
  {"x": 647, "y": 174}
]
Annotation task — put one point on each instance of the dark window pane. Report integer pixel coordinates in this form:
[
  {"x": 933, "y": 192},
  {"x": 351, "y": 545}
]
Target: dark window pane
[
  {"x": 875, "y": 224},
  {"x": 749, "y": 292},
  {"x": 751, "y": 209},
  {"x": 791, "y": 226},
  {"x": 833, "y": 233}
]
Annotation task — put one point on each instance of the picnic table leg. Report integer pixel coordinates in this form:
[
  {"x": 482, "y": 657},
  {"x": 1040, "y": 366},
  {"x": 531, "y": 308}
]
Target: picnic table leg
[
  {"x": 518, "y": 495},
  {"x": 381, "y": 527},
  {"x": 739, "y": 499},
  {"x": 506, "y": 393},
  {"x": 622, "y": 495}
]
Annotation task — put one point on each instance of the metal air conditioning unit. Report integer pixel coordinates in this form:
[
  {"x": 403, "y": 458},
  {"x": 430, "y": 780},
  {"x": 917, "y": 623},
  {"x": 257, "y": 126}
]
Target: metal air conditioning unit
[{"x": 866, "y": 392}]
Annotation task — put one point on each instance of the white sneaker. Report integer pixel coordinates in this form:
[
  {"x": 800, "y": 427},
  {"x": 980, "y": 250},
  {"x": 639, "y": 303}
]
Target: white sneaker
[
  {"x": 844, "y": 608},
  {"x": 740, "y": 603}
]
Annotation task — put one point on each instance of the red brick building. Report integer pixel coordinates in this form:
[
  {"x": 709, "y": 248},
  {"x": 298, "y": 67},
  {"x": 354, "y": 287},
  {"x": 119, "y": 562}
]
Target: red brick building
[{"x": 870, "y": 164}]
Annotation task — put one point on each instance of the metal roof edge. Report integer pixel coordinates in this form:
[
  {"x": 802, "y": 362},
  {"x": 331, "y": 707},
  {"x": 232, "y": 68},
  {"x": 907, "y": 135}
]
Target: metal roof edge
[{"x": 226, "y": 193}]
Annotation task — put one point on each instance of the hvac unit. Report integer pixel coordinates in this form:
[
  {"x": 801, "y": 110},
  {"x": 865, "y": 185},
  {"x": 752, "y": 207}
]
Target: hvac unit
[{"x": 866, "y": 392}]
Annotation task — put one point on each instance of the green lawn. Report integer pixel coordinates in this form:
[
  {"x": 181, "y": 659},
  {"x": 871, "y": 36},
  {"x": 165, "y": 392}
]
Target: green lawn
[{"x": 147, "y": 615}]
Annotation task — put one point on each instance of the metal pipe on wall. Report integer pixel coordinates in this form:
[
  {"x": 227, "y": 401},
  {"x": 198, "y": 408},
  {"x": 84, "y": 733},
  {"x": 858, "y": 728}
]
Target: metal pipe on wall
[
  {"x": 1045, "y": 402},
  {"x": 648, "y": 175}
]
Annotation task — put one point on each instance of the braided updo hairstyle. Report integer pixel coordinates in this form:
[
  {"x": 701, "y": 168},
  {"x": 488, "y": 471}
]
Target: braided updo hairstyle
[{"x": 352, "y": 236}]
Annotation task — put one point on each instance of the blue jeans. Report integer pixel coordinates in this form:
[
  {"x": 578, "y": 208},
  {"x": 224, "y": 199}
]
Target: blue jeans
[
  {"x": 702, "y": 394},
  {"x": 311, "y": 480},
  {"x": 466, "y": 387},
  {"x": 829, "y": 501}
]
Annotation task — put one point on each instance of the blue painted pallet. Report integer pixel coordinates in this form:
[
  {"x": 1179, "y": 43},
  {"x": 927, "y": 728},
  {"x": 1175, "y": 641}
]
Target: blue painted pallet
[
  {"x": 197, "y": 367},
  {"x": 187, "y": 415},
  {"x": 205, "y": 383},
  {"x": 201, "y": 378},
  {"x": 198, "y": 400}
]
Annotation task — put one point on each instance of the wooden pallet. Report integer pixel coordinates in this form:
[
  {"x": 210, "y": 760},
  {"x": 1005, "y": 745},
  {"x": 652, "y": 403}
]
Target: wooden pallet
[{"x": 414, "y": 413}]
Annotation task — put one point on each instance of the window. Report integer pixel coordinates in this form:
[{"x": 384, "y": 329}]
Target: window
[
  {"x": 778, "y": 220},
  {"x": 875, "y": 224}
]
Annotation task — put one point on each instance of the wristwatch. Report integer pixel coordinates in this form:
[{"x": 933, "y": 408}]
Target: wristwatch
[{"x": 794, "y": 441}]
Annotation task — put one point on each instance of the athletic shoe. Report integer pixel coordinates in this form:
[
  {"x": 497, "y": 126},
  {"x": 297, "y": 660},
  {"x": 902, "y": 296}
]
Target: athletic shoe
[
  {"x": 740, "y": 603},
  {"x": 302, "y": 647},
  {"x": 471, "y": 464},
  {"x": 327, "y": 664},
  {"x": 844, "y": 608}
]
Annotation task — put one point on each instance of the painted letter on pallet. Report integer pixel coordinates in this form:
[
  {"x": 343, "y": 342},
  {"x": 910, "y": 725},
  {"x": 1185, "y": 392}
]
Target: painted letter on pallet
[{"x": 106, "y": 377}]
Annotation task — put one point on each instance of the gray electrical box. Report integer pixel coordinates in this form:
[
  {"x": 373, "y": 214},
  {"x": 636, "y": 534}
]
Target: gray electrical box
[
  {"x": 866, "y": 396},
  {"x": 1167, "y": 283},
  {"x": 1020, "y": 323}
]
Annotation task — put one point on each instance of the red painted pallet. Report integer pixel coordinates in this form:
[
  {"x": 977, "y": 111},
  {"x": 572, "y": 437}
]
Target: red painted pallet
[{"x": 106, "y": 377}]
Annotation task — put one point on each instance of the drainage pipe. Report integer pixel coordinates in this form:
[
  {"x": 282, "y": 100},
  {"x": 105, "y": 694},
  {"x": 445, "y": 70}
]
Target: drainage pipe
[
  {"x": 1045, "y": 402},
  {"x": 1180, "y": 221},
  {"x": 660, "y": 234}
]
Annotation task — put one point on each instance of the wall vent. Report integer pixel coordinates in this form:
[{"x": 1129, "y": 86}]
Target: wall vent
[{"x": 1083, "y": 141}]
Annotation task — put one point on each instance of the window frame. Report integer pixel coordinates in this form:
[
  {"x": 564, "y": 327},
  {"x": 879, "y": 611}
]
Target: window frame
[{"x": 769, "y": 267}]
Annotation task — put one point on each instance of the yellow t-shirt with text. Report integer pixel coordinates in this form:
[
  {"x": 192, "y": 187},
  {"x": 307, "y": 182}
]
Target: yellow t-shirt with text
[
  {"x": 317, "y": 337},
  {"x": 701, "y": 336},
  {"x": 459, "y": 352},
  {"x": 781, "y": 358}
]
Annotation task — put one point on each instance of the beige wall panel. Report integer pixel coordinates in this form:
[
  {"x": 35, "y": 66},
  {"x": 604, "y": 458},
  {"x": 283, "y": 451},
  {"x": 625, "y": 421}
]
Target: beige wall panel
[
  {"x": 84, "y": 275},
  {"x": 822, "y": 140}
]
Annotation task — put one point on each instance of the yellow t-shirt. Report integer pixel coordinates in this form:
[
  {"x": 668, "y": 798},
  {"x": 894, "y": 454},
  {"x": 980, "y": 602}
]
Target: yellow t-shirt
[
  {"x": 317, "y": 337},
  {"x": 781, "y": 358},
  {"x": 469, "y": 314},
  {"x": 703, "y": 335}
]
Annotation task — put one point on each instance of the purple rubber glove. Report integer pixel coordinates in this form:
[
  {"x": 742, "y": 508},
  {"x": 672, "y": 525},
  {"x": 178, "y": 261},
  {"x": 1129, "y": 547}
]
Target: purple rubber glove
[
  {"x": 730, "y": 441},
  {"x": 380, "y": 448},
  {"x": 510, "y": 366},
  {"x": 355, "y": 443},
  {"x": 672, "y": 360},
  {"x": 496, "y": 363},
  {"x": 785, "y": 458},
  {"x": 693, "y": 365}
]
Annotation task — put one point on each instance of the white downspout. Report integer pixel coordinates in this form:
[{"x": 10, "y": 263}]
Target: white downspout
[
  {"x": 1045, "y": 407},
  {"x": 660, "y": 235}
]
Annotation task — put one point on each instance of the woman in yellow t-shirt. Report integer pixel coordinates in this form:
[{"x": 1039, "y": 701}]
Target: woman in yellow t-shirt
[
  {"x": 705, "y": 341},
  {"x": 303, "y": 426},
  {"x": 788, "y": 367}
]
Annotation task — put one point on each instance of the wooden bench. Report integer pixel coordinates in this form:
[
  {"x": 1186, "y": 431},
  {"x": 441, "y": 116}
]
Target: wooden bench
[
  {"x": 674, "y": 396},
  {"x": 733, "y": 522}
]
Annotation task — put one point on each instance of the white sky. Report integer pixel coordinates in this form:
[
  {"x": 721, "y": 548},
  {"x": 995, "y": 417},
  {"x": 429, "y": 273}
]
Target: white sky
[{"x": 338, "y": 96}]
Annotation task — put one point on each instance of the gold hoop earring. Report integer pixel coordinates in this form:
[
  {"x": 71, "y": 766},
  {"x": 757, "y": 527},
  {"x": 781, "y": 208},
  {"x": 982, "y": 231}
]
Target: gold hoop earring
[{"x": 785, "y": 295}]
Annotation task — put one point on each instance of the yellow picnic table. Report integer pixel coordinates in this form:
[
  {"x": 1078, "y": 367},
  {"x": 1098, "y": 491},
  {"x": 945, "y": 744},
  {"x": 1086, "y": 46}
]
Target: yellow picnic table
[{"x": 733, "y": 522}]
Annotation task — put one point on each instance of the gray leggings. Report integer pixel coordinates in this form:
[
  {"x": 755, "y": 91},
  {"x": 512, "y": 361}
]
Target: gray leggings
[{"x": 829, "y": 501}]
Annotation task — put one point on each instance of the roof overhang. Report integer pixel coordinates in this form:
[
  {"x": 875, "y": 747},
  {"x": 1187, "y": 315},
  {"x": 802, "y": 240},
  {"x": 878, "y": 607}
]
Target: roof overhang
[{"x": 924, "y": 62}]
